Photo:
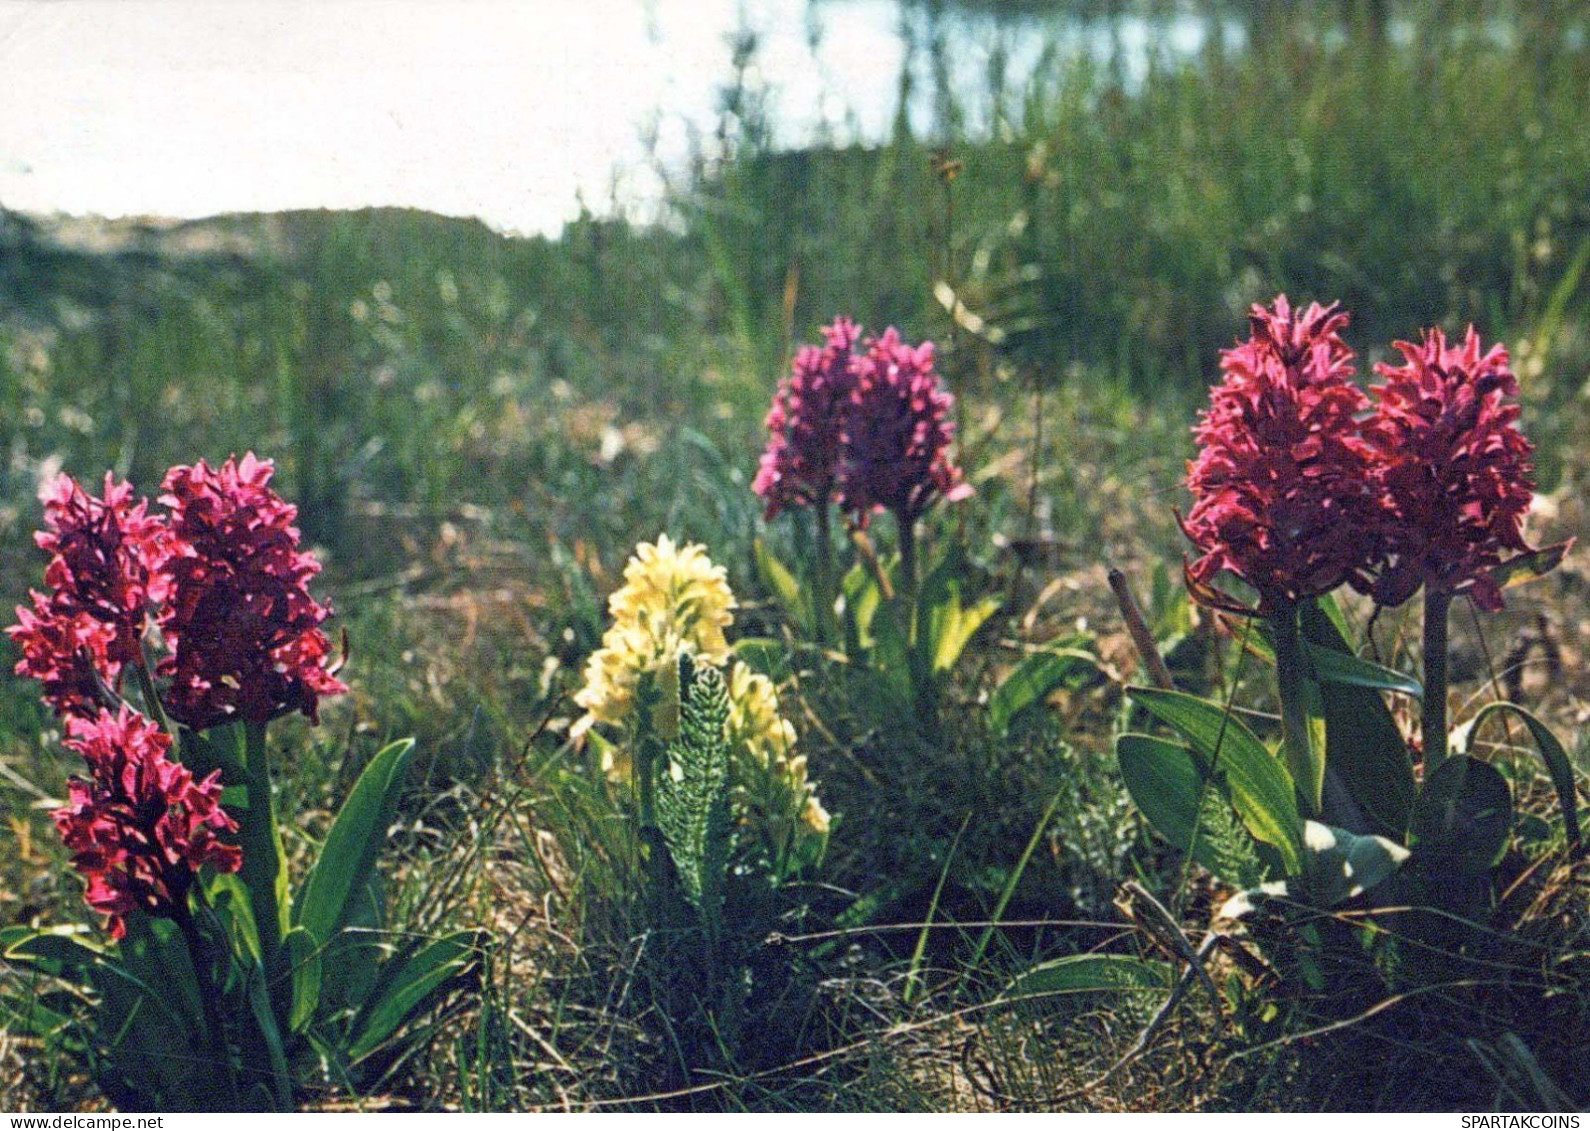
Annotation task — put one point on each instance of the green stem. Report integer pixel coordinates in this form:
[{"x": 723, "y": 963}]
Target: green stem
[
  {"x": 146, "y": 688},
  {"x": 1292, "y": 679},
  {"x": 644, "y": 749},
  {"x": 209, "y": 997},
  {"x": 905, "y": 521},
  {"x": 1437, "y": 605},
  {"x": 264, "y": 870},
  {"x": 647, "y": 753},
  {"x": 824, "y": 580}
]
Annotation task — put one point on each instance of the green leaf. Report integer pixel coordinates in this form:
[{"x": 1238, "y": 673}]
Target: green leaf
[
  {"x": 154, "y": 956},
  {"x": 1261, "y": 789},
  {"x": 1187, "y": 809},
  {"x": 410, "y": 987},
  {"x": 1302, "y": 712},
  {"x": 230, "y": 899},
  {"x": 1345, "y": 669},
  {"x": 26, "y": 1015},
  {"x": 892, "y": 680},
  {"x": 1091, "y": 974},
  {"x": 952, "y": 626},
  {"x": 766, "y": 655},
  {"x": 1558, "y": 767},
  {"x": 1363, "y": 746},
  {"x": 1332, "y": 662},
  {"x": 350, "y": 963},
  {"x": 1527, "y": 567},
  {"x": 1463, "y": 816},
  {"x": 693, "y": 788},
  {"x": 775, "y": 575},
  {"x": 304, "y": 967},
  {"x": 863, "y": 598},
  {"x": 1032, "y": 680},
  {"x": 152, "y": 1020},
  {"x": 355, "y": 840},
  {"x": 1165, "y": 783},
  {"x": 1338, "y": 865},
  {"x": 274, "y": 1089},
  {"x": 60, "y": 952},
  {"x": 945, "y": 624},
  {"x": 240, "y": 753}
]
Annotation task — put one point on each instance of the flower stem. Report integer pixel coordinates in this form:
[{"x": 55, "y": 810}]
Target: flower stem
[
  {"x": 146, "y": 688},
  {"x": 1304, "y": 756},
  {"x": 264, "y": 870},
  {"x": 1437, "y": 604},
  {"x": 906, "y": 524},
  {"x": 209, "y": 997},
  {"x": 824, "y": 579}
]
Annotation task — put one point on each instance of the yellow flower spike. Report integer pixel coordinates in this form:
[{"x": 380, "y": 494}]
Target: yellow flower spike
[
  {"x": 774, "y": 781},
  {"x": 754, "y": 721},
  {"x": 673, "y": 597}
]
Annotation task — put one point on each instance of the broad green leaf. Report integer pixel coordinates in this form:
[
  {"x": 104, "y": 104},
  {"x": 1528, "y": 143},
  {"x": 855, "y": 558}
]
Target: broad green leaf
[
  {"x": 1330, "y": 609},
  {"x": 1345, "y": 669},
  {"x": 1333, "y": 664},
  {"x": 1463, "y": 816},
  {"x": 945, "y": 624},
  {"x": 152, "y": 1020},
  {"x": 1363, "y": 746},
  {"x": 154, "y": 956},
  {"x": 891, "y": 672},
  {"x": 239, "y": 752},
  {"x": 1165, "y": 784},
  {"x": 1187, "y": 809},
  {"x": 266, "y": 1085},
  {"x": 1091, "y": 974},
  {"x": 1338, "y": 865},
  {"x": 1261, "y": 789},
  {"x": 350, "y": 963},
  {"x": 766, "y": 655},
  {"x": 1302, "y": 714},
  {"x": 304, "y": 967},
  {"x": 782, "y": 584},
  {"x": 60, "y": 952},
  {"x": 355, "y": 840},
  {"x": 863, "y": 598},
  {"x": 1032, "y": 680},
  {"x": 409, "y": 988},
  {"x": 952, "y": 626},
  {"x": 1558, "y": 767},
  {"x": 230, "y": 899}
]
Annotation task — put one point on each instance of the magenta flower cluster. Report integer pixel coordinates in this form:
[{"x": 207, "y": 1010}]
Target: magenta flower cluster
[
  {"x": 105, "y": 575},
  {"x": 221, "y": 577},
  {"x": 868, "y": 428},
  {"x": 1303, "y": 482},
  {"x": 217, "y": 587},
  {"x": 244, "y": 632},
  {"x": 139, "y": 827},
  {"x": 1454, "y": 468}
]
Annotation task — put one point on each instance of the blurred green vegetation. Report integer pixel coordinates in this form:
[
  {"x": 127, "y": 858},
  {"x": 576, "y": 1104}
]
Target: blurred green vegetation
[{"x": 1109, "y": 222}]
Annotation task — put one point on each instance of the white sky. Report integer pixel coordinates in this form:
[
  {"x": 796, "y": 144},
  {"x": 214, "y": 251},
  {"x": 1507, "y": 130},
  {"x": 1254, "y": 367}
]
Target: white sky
[{"x": 505, "y": 109}]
